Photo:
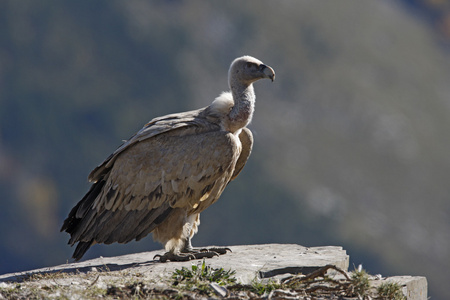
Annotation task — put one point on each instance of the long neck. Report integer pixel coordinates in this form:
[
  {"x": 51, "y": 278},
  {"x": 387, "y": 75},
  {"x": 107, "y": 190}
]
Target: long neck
[{"x": 244, "y": 104}]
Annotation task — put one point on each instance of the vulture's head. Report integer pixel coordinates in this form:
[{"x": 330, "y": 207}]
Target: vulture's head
[{"x": 247, "y": 69}]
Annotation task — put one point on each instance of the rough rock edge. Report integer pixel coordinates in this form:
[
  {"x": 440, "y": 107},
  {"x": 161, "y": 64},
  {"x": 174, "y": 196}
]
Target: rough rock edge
[{"x": 251, "y": 262}]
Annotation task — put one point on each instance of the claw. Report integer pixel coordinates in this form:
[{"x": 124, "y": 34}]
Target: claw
[{"x": 161, "y": 258}]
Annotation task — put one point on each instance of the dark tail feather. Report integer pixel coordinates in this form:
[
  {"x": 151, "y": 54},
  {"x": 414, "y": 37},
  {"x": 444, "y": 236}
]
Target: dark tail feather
[
  {"x": 81, "y": 249},
  {"x": 79, "y": 217},
  {"x": 80, "y": 210}
]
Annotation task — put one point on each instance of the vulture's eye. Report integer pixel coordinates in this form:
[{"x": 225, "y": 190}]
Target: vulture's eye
[{"x": 249, "y": 65}]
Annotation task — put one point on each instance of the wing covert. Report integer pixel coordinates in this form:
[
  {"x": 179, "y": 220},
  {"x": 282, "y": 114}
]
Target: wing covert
[
  {"x": 169, "y": 124},
  {"x": 165, "y": 172}
]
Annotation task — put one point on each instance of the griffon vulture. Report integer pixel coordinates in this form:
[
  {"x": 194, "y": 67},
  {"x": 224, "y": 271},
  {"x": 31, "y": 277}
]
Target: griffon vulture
[{"x": 163, "y": 177}]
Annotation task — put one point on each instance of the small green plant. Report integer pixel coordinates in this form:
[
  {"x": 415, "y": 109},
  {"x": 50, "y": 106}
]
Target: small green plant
[
  {"x": 261, "y": 288},
  {"x": 360, "y": 282},
  {"x": 390, "y": 291},
  {"x": 203, "y": 273}
]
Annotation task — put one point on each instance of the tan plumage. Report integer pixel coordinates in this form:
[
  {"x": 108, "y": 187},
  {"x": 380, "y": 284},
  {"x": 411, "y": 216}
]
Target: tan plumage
[{"x": 171, "y": 170}]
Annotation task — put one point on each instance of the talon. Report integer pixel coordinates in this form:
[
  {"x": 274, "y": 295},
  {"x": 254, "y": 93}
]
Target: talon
[{"x": 162, "y": 258}]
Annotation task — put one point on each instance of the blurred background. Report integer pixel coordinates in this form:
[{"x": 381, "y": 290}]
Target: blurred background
[{"x": 352, "y": 143}]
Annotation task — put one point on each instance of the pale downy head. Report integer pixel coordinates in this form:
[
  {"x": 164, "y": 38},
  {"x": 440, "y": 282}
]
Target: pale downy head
[{"x": 246, "y": 70}]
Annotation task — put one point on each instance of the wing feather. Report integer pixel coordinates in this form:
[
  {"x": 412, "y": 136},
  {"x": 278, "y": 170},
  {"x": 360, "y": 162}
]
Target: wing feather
[
  {"x": 164, "y": 124},
  {"x": 181, "y": 161},
  {"x": 175, "y": 163},
  {"x": 153, "y": 176}
]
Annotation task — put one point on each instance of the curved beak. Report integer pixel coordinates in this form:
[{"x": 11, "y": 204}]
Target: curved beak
[{"x": 267, "y": 71}]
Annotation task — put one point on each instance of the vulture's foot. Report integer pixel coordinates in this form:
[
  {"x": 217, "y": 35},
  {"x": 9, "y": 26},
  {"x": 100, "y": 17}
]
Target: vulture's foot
[
  {"x": 192, "y": 254},
  {"x": 221, "y": 251},
  {"x": 207, "y": 252},
  {"x": 174, "y": 257}
]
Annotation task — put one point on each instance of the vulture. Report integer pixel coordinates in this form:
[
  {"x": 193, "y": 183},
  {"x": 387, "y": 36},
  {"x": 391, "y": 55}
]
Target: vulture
[{"x": 164, "y": 176}]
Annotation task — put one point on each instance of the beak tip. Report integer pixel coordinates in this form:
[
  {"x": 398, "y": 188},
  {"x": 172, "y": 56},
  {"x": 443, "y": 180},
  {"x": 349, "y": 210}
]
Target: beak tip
[{"x": 269, "y": 73}]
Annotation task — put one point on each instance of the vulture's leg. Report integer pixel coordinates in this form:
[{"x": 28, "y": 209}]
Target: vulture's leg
[{"x": 203, "y": 252}]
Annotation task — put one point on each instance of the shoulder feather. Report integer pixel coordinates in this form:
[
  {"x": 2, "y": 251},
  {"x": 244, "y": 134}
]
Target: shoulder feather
[{"x": 191, "y": 121}]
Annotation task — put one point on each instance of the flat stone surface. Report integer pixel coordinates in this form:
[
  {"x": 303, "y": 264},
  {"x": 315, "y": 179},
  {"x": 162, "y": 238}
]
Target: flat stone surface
[
  {"x": 249, "y": 262},
  {"x": 269, "y": 261}
]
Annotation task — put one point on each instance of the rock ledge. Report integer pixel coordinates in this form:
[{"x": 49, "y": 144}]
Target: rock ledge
[{"x": 251, "y": 262}]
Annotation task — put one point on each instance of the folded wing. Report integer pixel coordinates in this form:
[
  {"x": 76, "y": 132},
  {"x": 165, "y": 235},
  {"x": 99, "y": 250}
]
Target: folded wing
[{"x": 179, "y": 161}]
